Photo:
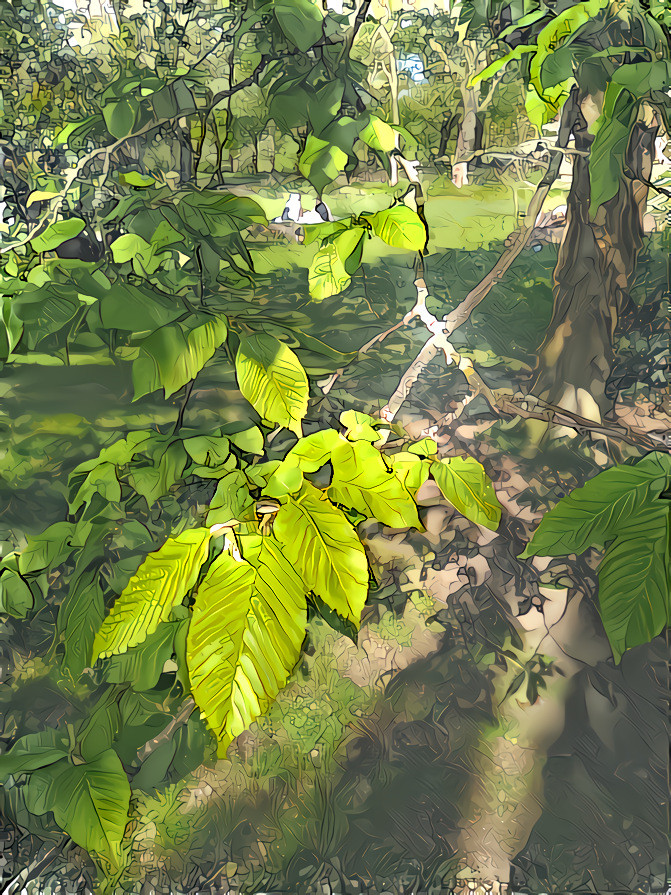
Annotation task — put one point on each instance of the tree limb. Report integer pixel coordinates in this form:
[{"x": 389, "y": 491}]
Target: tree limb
[
  {"x": 460, "y": 314},
  {"x": 152, "y": 745}
]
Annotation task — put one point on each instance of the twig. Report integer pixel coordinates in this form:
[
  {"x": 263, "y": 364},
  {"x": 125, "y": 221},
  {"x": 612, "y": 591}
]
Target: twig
[
  {"x": 152, "y": 745},
  {"x": 457, "y": 317},
  {"x": 530, "y": 407},
  {"x": 179, "y": 422}
]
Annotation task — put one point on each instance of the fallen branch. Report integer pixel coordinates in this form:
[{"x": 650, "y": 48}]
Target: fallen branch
[{"x": 530, "y": 407}]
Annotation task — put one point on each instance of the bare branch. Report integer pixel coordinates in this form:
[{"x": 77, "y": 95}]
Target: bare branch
[{"x": 152, "y": 745}]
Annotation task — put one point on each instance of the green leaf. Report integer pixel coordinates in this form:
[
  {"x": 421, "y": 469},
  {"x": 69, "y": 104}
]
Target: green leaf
[
  {"x": 48, "y": 549},
  {"x": 271, "y": 378},
  {"x": 160, "y": 584},
  {"x": 249, "y": 441},
  {"x": 325, "y": 550},
  {"x": 287, "y": 478},
  {"x": 349, "y": 246},
  {"x": 426, "y": 447},
  {"x": 327, "y": 275},
  {"x": 56, "y": 234},
  {"x": 312, "y": 232},
  {"x": 16, "y": 597},
  {"x": 244, "y": 639},
  {"x": 334, "y": 263},
  {"x": 324, "y": 105},
  {"x": 634, "y": 582},
  {"x": 208, "y": 450},
  {"x": 594, "y": 514},
  {"x": 79, "y": 617},
  {"x": 142, "y": 665},
  {"x": 154, "y": 479},
  {"x": 378, "y": 135},
  {"x": 129, "y": 246},
  {"x": 120, "y": 117},
  {"x": 169, "y": 358},
  {"x": 321, "y": 162},
  {"x": 399, "y": 226},
  {"x": 231, "y": 500},
  {"x": 466, "y": 485},
  {"x": 314, "y": 451},
  {"x": 89, "y": 802},
  {"x": 102, "y": 479},
  {"x": 132, "y": 247},
  {"x": 360, "y": 426},
  {"x": 137, "y": 180},
  {"x": 134, "y": 309},
  {"x": 498, "y": 64},
  {"x": 32, "y": 752},
  {"x": 607, "y": 155},
  {"x": 363, "y": 481},
  {"x": 300, "y": 21}
]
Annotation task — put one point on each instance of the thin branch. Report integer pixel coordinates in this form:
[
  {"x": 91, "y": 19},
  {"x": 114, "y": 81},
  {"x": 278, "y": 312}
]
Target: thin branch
[
  {"x": 179, "y": 422},
  {"x": 152, "y": 745}
]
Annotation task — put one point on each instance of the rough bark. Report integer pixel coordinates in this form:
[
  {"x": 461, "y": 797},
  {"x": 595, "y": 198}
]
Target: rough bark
[
  {"x": 469, "y": 137},
  {"x": 593, "y": 276}
]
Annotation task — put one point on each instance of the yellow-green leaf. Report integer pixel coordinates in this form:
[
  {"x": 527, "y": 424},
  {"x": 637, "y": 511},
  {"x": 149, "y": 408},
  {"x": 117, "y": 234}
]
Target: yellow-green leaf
[
  {"x": 400, "y": 227},
  {"x": 327, "y": 275},
  {"x": 157, "y": 587},
  {"x": 325, "y": 550},
  {"x": 313, "y": 451},
  {"x": 245, "y": 638},
  {"x": 271, "y": 378},
  {"x": 362, "y": 481},
  {"x": 378, "y": 135},
  {"x": 466, "y": 485}
]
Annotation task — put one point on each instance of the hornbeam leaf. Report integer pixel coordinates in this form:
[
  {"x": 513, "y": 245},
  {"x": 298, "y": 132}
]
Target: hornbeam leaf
[
  {"x": 245, "y": 638},
  {"x": 412, "y": 471},
  {"x": 321, "y": 162},
  {"x": 300, "y": 21},
  {"x": 327, "y": 275},
  {"x": 157, "y": 587},
  {"x": 466, "y": 485},
  {"x": 362, "y": 481},
  {"x": 56, "y": 234},
  {"x": 314, "y": 451},
  {"x": 271, "y": 378},
  {"x": 318, "y": 540},
  {"x": 378, "y": 135}
]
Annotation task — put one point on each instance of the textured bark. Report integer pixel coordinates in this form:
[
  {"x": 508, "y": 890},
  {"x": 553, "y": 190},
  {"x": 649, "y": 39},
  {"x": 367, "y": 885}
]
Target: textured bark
[
  {"x": 593, "y": 276},
  {"x": 469, "y": 137}
]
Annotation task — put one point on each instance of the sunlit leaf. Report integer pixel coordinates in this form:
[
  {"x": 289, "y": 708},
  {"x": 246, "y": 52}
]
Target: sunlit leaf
[
  {"x": 157, "y": 587},
  {"x": 326, "y": 551},
  {"x": 244, "y": 638},
  {"x": 466, "y": 485},
  {"x": 271, "y": 378}
]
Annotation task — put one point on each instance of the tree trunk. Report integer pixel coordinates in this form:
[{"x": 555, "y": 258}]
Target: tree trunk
[
  {"x": 594, "y": 272},
  {"x": 469, "y": 138}
]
